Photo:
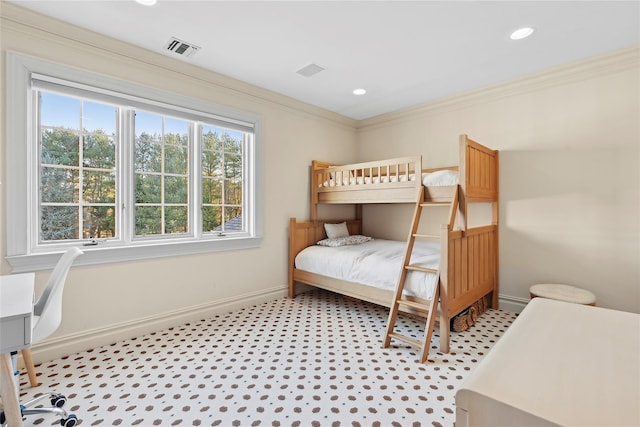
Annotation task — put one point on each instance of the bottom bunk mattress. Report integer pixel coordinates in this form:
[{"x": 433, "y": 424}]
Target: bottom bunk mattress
[{"x": 376, "y": 263}]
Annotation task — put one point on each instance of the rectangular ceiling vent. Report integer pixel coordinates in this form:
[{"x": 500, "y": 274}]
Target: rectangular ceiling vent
[
  {"x": 181, "y": 48},
  {"x": 310, "y": 70}
]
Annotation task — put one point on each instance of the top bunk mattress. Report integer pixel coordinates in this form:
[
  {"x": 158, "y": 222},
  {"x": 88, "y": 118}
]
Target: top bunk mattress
[
  {"x": 376, "y": 263},
  {"x": 439, "y": 178}
]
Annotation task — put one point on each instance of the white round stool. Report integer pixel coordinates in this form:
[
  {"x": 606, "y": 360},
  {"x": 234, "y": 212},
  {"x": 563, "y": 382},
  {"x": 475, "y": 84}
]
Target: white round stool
[{"x": 565, "y": 293}]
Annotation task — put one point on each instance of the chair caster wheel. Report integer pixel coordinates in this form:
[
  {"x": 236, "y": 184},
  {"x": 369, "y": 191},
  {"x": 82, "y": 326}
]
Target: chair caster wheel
[
  {"x": 58, "y": 401},
  {"x": 70, "y": 421}
]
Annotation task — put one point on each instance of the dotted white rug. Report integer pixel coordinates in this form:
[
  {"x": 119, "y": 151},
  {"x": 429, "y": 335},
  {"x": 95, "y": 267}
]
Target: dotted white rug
[{"x": 315, "y": 360}]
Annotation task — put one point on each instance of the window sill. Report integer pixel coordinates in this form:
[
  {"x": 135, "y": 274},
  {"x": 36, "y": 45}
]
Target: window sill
[{"x": 103, "y": 255}]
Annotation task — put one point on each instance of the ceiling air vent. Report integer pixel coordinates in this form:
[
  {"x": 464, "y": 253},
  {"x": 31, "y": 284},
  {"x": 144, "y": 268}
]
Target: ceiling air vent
[
  {"x": 310, "y": 70},
  {"x": 181, "y": 48}
]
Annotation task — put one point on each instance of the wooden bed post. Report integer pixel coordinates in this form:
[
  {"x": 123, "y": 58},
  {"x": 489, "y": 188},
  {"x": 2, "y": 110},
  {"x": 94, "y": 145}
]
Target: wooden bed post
[
  {"x": 462, "y": 174},
  {"x": 314, "y": 192},
  {"x": 444, "y": 288},
  {"x": 495, "y": 297},
  {"x": 292, "y": 255}
]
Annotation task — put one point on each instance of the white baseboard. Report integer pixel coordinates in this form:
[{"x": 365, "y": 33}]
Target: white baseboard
[
  {"x": 511, "y": 303},
  {"x": 58, "y": 347}
]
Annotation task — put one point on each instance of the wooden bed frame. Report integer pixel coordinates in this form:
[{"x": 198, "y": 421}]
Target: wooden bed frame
[{"x": 469, "y": 256}]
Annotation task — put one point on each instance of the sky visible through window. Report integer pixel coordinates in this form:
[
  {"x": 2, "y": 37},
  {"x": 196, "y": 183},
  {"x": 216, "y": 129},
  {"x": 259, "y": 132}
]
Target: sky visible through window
[{"x": 64, "y": 111}]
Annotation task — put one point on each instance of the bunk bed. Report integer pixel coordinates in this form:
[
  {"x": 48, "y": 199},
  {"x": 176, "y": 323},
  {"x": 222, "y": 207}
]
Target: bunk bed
[{"x": 468, "y": 257}]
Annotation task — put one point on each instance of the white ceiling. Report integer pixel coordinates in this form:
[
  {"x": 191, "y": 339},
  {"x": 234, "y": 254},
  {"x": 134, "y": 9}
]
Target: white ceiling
[{"x": 403, "y": 52}]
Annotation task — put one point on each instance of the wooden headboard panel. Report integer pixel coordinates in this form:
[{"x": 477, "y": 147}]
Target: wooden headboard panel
[
  {"x": 478, "y": 171},
  {"x": 303, "y": 234}
]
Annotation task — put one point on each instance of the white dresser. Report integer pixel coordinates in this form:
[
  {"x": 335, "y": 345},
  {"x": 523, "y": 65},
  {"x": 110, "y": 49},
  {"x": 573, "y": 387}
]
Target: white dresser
[{"x": 558, "y": 364}]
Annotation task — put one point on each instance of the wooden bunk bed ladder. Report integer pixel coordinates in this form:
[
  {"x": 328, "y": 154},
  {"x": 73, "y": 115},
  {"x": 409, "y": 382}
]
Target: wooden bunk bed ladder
[{"x": 399, "y": 300}]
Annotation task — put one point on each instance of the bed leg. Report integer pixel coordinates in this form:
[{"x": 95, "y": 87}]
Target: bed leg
[
  {"x": 495, "y": 300},
  {"x": 292, "y": 289},
  {"x": 444, "y": 332}
]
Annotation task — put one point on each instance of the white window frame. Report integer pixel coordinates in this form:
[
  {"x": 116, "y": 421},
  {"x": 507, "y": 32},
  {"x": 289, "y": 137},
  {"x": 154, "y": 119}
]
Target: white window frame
[{"x": 22, "y": 170}]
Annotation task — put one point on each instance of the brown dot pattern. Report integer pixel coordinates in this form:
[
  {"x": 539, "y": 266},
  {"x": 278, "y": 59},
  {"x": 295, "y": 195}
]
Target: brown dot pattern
[{"x": 315, "y": 360}]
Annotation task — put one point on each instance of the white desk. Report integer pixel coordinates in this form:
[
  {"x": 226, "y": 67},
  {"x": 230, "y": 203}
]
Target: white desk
[
  {"x": 16, "y": 312},
  {"x": 558, "y": 364}
]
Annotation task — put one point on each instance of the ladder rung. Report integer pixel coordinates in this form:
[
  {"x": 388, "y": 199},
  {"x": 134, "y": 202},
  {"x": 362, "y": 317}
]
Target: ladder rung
[
  {"x": 414, "y": 304},
  {"x": 429, "y": 204},
  {"x": 425, "y": 269},
  {"x": 406, "y": 339},
  {"x": 427, "y": 236}
]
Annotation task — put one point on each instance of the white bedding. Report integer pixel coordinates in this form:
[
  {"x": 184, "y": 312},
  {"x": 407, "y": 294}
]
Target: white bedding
[
  {"x": 430, "y": 179},
  {"x": 375, "y": 263}
]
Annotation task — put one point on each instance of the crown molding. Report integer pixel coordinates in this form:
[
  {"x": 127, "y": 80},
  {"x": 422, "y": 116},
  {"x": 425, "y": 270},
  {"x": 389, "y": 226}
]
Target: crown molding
[{"x": 609, "y": 63}]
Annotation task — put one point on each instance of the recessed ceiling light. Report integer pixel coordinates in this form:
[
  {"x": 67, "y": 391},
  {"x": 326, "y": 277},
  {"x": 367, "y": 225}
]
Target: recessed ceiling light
[
  {"x": 521, "y": 33},
  {"x": 359, "y": 91},
  {"x": 147, "y": 2}
]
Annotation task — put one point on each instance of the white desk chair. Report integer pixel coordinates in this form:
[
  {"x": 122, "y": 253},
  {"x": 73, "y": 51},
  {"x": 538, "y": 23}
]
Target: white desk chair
[{"x": 47, "y": 315}]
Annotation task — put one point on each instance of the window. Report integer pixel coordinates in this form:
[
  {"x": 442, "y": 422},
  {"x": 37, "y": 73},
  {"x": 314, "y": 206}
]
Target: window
[
  {"x": 77, "y": 169},
  {"x": 118, "y": 166}
]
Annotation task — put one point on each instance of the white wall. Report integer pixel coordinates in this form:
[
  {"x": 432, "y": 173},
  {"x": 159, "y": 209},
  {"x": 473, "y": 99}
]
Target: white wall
[
  {"x": 569, "y": 143},
  {"x": 105, "y": 303}
]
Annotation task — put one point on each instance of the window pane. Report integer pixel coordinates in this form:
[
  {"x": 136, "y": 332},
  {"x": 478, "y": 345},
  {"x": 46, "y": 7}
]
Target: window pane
[
  {"x": 232, "y": 166},
  {"x": 211, "y": 218},
  {"x": 99, "y": 187},
  {"x": 59, "y": 111},
  {"x": 99, "y": 150},
  {"x": 176, "y": 190},
  {"x": 59, "y": 147},
  {"x": 148, "y": 155},
  {"x": 176, "y": 159},
  {"x": 211, "y": 191},
  {"x": 210, "y": 138},
  {"x": 99, "y": 222},
  {"x": 90, "y": 155},
  {"x": 148, "y": 189},
  {"x": 148, "y": 149},
  {"x": 148, "y": 220},
  {"x": 58, "y": 185},
  {"x": 232, "y": 192},
  {"x": 149, "y": 125},
  {"x": 176, "y": 219},
  {"x": 222, "y": 178},
  {"x": 211, "y": 164},
  {"x": 162, "y": 147},
  {"x": 176, "y": 131},
  {"x": 233, "y": 142},
  {"x": 58, "y": 223},
  {"x": 99, "y": 117},
  {"x": 233, "y": 219}
]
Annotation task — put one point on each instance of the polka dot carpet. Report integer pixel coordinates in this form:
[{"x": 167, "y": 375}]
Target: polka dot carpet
[{"x": 315, "y": 360}]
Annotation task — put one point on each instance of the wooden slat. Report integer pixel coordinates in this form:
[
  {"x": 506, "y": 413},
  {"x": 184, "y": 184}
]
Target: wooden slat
[
  {"x": 427, "y": 236},
  {"x": 411, "y": 341},
  {"x": 414, "y": 304},
  {"x": 464, "y": 266},
  {"x": 424, "y": 269},
  {"x": 457, "y": 258}
]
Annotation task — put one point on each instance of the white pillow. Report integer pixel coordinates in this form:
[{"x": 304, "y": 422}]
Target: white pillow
[
  {"x": 356, "y": 239},
  {"x": 336, "y": 230},
  {"x": 440, "y": 178}
]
